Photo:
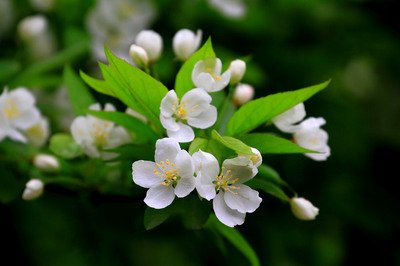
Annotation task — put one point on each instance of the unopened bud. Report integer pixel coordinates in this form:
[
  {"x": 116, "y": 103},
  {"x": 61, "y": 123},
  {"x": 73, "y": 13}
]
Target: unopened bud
[
  {"x": 152, "y": 42},
  {"x": 185, "y": 43},
  {"x": 303, "y": 209},
  {"x": 237, "y": 68},
  {"x": 33, "y": 189},
  {"x": 46, "y": 162},
  {"x": 32, "y": 27},
  {"x": 138, "y": 55},
  {"x": 242, "y": 94}
]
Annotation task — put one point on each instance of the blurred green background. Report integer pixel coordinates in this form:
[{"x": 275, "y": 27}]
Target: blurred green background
[{"x": 291, "y": 44}]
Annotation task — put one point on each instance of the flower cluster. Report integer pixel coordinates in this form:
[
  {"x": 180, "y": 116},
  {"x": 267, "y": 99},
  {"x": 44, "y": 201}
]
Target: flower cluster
[{"x": 20, "y": 119}]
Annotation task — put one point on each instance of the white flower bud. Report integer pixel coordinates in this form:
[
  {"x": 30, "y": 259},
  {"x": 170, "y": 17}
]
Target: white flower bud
[
  {"x": 242, "y": 94},
  {"x": 46, "y": 162},
  {"x": 237, "y": 68},
  {"x": 303, "y": 209},
  {"x": 152, "y": 42},
  {"x": 138, "y": 55},
  {"x": 32, "y": 27},
  {"x": 185, "y": 43},
  {"x": 33, "y": 189}
]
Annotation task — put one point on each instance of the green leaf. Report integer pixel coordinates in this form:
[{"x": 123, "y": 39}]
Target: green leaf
[
  {"x": 142, "y": 132},
  {"x": 194, "y": 212},
  {"x": 8, "y": 68},
  {"x": 271, "y": 175},
  {"x": 234, "y": 144},
  {"x": 78, "y": 93},
  {"x": 268, "y": 187},
  {"x": 235, "y": 238},
  {"x": 212, "y": 146},
  {"x": 154, "y": 217},
  {"x": 183, "y": 81},
  {"x": 99, "y": 85},
  {"x": 134, "y": 87},
  {"x": 257, "y": 112},
  {"x": 270, "y": 143},
  {"x": 64, "y": 146},
  {"x": 10, "y": 187},
  {"x": 198, "y": 144},
  {"x": 133, "y": 152}
]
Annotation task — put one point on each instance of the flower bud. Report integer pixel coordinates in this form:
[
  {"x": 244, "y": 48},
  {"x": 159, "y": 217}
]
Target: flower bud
[
  {"x": 237, "y": 68},
  {"x": 138, "y": 55},
  {"x": 303, "y": 209},
  {"x": 185, "y": 43},
  {"x": 46, "y": 162},
  {"x": 33, "y": 189},
  {"x": 242, "y": 94},
  {"x": 152, "y": 42},
  {"x": 32, "y": 27}
]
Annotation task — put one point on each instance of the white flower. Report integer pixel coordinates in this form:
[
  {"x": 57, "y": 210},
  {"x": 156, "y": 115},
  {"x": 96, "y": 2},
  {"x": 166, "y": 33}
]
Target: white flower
[
  {"x": 33, "y": 189},
  {"x": 207, "y": 75},
  {"x": 94, "y": 134},
  {"x": 242, "y": 94},
  {"x": 138, "y": 55},
  {"x": 231, "y": 8},
  {"x": 303, "y": 209},
  {"x": 38, "y": 133},
  {"x": 185, "y": 43},
  {"x": 171, "y": 174},
  {"x": 152, "y": 42},
  {"x": 309, "y": 135},
  {"x": 17, "y": 113},
  {"x": 194, "y": 110},
  {"x": 237, "y": 68},
  {"x": 286, "y": 122},
  {"x": 42, "y": 5},
  {"x": 231, "y": 198},
  {"x": 46, "y": 162}
]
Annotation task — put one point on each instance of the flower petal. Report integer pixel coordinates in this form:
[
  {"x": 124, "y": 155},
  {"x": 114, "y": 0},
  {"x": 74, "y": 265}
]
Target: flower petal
[
  {"x": 26, "y": 119},
  {"x": 222, "y": 83},
  {"x": 169, "y": 103},
  {"x": 241, "y": 167},
  {"x": 206, "y": 163},
  {"x": 205, "y": 119},
  {"x": 184, "y": 163},
  {"x": 143, "y": 174},
  {"x": 166, "y": 148},
  {"x": 169, "y": 123},
  {"x": 159, "y": 197},
  {"x": 205, "y": 187},
  {"x": 195, "y": 101},
  {"x": 184, "y": 186},
  {"x": 244, "y": 199},
  {"x": 204, "y": 80},
  {"x": 183, "y": 134},
  {"x": 225, "y": 214}
]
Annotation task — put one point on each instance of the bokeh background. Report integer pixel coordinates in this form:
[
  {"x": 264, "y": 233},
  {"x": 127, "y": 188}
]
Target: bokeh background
[{"x": 290, "y": 44}]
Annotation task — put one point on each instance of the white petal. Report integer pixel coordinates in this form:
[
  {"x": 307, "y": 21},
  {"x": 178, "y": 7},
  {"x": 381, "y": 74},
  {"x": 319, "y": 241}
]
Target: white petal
[
  {"x": 26, "y": 119},
  {"x": 225, "y": 214},
  {"x": 183, "y": 134},
  {"x": 159, "y": 197},
  {"x": 80, "y": 130},
  {"x": 243, "y": 199},
  {"x": 16, "y": 135},
  {"x": 166, "y": 148},
  {"x": 23, "y": 98},
  {"x": 169, "y": 123},
  {"x": 184, "y": 163},
  {"x": 205, "y": 187},
  {"x": 222, "y": 83},
  {"x": 205, "y": 119},
  {"x": 287, "y": 120},
  {"x": 204, "y": 80},
  {"x": 325, "y": 152},
  {"x": 195, "y": 101},
  {"x": 185, "y": 186},
  {"x": 169, "y": 103},
  {"x": 95, "y": 107},
  {"x": 216, "y": 69},
  {"x": 240, "y": 167},
  {"x": 198, "y": 68},
  {"x": 206, "y": 163},
  {"x": 143, "y": 174}
]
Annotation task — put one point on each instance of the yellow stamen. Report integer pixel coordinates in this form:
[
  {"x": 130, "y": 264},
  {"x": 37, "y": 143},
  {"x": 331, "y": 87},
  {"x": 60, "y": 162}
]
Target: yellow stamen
[
  {"x": 226, "y": 181},
  {"x": 11, "y": 109},
  {"x": 169, "y": 174}
]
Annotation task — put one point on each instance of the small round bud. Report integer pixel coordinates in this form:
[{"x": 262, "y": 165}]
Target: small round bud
[
  {"x": 33, "y": 189},
  {"x": 237, "y": 68},
  {"x": 303, "y": 209},
  {"x": 242, "y": 94},
  {"x": 185, "y": 43},
  {"x": 152, "y": 42},
  {"x": 46, "y": 162},
  {"x": 138, "y": 55},
  {"x": 32, "y": 27}
]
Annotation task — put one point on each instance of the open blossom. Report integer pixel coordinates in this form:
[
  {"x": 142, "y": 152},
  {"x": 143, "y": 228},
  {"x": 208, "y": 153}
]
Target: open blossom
[
  {"x": 231, "y": 198},
  {"x": 38, "y": 133},
  {"x": 193, "y": 110},
  {"x": 171, "y": 174},
  {"x": 310, "y": 136},
  {"x": 303, "y": 209},
  {"x": 207, "y": 75},
  {"x": 287, "y": 121},
  {"x": 185, "y": 43},
  {"x": 94, "y": 134},
  {"x": 17, "y": 113}
]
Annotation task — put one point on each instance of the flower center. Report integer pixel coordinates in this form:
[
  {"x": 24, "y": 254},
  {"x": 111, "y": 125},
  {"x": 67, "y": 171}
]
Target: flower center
[
  {"x": 100, "y": 135},
  {"x": 215, "y": 76},
  {"x": 168, "y": 172},
  {"x": 225, "y": 181},
  {"x": 11, "y": 109},
  {"x": 180, "y": 112}
]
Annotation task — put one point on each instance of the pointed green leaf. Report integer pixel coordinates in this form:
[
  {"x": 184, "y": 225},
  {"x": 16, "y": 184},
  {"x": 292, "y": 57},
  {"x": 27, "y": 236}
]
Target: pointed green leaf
[
  {"x": 271, "y": 175},
  {"x": 141, "y": 131},
  {"x": 235, "y": 238},
  {"x": 198, "y": 144},
  {"x": 78, "y": 93},
  {"x": 268, "y": 187},
  {"x": 234, "y": 144},
  {"x": 259, "y": 111},
  {"x": 270, "y": 143},
  {"x": 98, "y": 85},
  {"x": 183, "y": 82},
  {"x": 154, "y": 217}
]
